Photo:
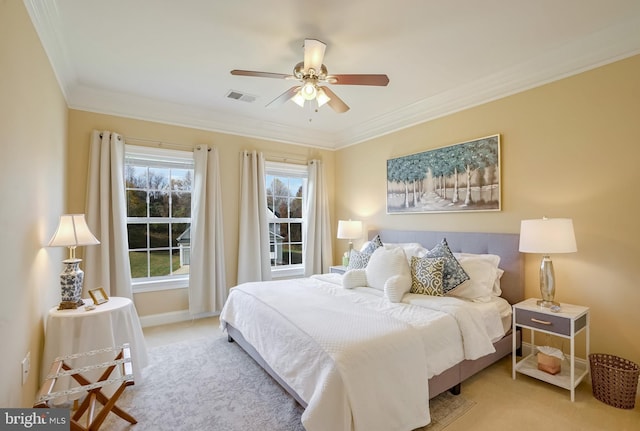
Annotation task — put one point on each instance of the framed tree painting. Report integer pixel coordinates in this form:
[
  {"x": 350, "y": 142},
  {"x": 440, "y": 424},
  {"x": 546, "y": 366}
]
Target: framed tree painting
[{"x": 460, "y": 177}]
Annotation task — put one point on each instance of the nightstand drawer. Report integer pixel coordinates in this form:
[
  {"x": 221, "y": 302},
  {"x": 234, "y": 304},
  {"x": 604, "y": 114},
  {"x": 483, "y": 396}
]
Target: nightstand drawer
[{"x": 544, "y": 322}]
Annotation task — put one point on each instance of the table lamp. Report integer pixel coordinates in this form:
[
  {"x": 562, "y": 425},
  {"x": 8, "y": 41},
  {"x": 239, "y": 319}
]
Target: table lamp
[
  {"x": 72, "y": 231},
  {"x": 547, "y": 236},
  {"x": 349, "y": 229}
]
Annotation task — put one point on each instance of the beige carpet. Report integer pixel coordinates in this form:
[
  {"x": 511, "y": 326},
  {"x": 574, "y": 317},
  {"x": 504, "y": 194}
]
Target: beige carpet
[{"x": 211, "y": 384}]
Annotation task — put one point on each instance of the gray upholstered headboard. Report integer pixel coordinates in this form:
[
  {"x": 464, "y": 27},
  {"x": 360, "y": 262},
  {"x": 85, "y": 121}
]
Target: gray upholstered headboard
[{"x": 504, "y": 245}]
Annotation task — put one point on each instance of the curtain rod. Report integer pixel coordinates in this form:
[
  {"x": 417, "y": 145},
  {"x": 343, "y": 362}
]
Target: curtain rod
[
  {"x": 161, "y": 144},
  {"x": 285, "y": 159}
]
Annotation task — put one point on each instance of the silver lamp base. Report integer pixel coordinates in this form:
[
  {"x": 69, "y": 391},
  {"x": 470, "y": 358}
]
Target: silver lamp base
[
  {"x": 547, "y": 283},
  {"x": 548, "y": 304}
]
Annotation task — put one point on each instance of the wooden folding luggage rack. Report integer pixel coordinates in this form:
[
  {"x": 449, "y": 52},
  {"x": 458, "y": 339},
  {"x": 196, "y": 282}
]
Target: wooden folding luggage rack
[{"x": 93, "y": 390}]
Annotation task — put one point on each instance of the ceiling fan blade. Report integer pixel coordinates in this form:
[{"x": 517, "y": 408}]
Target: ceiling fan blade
[
  {"x": 379, "y": 80},
  {"x": 238, "y": 72},
  {"x": 313, "y": 54},
  {"x": 335, "y": 102},
  {"x": 283, "y": 98}
]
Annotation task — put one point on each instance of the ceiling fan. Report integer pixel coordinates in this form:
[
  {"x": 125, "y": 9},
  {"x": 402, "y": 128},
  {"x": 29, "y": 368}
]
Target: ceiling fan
[{"x": 311, "y": 73}]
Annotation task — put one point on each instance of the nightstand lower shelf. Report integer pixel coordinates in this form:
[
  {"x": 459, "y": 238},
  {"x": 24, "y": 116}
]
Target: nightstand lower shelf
[{"x": 529, "y": 367}]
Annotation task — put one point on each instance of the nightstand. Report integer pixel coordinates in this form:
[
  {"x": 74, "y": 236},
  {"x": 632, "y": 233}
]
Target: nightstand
[
  {"x": 570, "y": 321},
  {"x": 80, "y": 330},
  {"x": 339, "y": 269}
]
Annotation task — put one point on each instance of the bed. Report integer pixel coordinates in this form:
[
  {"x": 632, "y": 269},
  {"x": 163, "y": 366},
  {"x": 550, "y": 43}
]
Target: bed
[{"x": 369, "y": 376}]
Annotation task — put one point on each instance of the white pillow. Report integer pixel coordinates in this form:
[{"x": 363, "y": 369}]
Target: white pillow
[
  {"x": 497, "y": 290},
  {"x": 410, "y": 249},
  {"x": 383, "y": 264},
  {"x": 354, "y": 278},
  {"x": 482, "y": 270},
  {"x": 396, "y": 287}
]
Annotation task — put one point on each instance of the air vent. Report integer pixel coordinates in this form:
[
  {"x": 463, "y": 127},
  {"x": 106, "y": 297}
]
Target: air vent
[{"x": 244, "y": 97}]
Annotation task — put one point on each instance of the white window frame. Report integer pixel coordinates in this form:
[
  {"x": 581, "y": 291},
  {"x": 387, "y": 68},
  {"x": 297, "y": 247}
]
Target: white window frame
[
  {"x": 292, "y": 171},
  {"x": 159, "y": 157}
]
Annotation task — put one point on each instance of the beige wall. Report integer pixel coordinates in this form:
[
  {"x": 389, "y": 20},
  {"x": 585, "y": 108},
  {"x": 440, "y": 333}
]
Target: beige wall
[
  {"x": 81, "y": 123},
  {"x": 569, "y": 149},
  {"x": 33, "y": 118}
]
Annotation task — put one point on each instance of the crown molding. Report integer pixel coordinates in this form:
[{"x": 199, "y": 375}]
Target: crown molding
[
  {"x": 159, "y": 111},
  {"x": 46, "y": 20}
]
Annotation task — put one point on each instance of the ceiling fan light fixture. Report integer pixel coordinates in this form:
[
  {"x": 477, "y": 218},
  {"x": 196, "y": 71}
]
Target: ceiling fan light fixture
[
  {"x": 309, "y": 90},
  {"x": 322, "y": 97},
  {"x": 298, "y": 99},
  {"x": 312, "y": 75}
]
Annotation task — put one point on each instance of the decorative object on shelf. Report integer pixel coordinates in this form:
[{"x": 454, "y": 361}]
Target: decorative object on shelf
[
  {"x": 549, "y": 359},
  {"x": 349, "y": 229},
  {"x": 547, "y": 236},
  {"x": 72, "y": 231},
  {"x": 99, "y": 296}
]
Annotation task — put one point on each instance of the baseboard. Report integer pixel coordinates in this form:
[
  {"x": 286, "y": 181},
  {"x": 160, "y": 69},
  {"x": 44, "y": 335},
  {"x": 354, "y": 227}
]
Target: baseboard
[{"x": 171, "y": 317}]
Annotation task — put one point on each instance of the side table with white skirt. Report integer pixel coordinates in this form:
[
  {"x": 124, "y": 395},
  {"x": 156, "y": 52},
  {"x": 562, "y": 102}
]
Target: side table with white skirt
[{"x": 110, "y": 324}]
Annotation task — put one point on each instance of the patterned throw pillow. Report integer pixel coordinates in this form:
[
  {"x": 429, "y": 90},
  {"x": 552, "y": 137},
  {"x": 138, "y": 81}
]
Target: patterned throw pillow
[
  {"x": 373, "y": 244},
  {"x": 358, "y": 259},
  {"x": 454, "y": 274},
  {"x": 426, "y": 275}
]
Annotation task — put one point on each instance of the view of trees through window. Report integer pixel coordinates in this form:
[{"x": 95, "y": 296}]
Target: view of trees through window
[
  {"x": 158, "y": 218},
  {"x": 285, "y": 200}
]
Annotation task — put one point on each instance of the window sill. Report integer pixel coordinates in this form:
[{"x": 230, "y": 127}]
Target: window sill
[
  {"x": 158, "y": 285},
  {"x": 294, "y": 272}
]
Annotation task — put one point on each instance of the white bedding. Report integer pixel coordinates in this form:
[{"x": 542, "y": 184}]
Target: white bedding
[
  {"x": 489, "y": 308},
  {"x": 359, "y": 361}
]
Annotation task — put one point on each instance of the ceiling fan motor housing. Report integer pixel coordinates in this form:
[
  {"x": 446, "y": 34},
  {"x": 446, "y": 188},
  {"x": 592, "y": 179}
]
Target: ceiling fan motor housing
[{"x": 300, "y": 73}]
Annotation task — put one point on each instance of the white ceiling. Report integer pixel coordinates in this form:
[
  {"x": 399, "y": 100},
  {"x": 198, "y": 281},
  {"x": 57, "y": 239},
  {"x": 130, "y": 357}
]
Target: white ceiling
[{"x": 169, "y": 61}]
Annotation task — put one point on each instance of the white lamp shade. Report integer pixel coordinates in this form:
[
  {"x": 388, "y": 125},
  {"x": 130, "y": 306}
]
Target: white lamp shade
[
  {"x": 547, "y": 236},
  {"x": 349, "y": 229},
  {"x": 322, "y": 98},
  {"x": 298, "y": 99},
  {"x": 72, "y": 231}
]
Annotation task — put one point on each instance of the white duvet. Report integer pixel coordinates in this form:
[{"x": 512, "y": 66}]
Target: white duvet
[{"x": 360, "y": 362}]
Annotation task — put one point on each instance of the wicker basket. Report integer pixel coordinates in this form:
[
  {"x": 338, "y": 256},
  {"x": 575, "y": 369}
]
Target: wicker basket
[{"x": 614, "y": 380}]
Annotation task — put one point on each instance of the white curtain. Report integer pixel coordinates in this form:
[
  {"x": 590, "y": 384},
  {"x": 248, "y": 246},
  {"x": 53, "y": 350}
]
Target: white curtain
[
  {"x": 318, "y": 253},
  {"x": 254, "y": 261},
  {"x": 107, "y": 265},
  {"x": 207, "y": 281}
]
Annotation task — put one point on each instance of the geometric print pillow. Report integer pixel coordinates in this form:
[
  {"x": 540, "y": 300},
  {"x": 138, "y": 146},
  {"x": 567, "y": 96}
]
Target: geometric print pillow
[
  {"x": 373, "y": 244},
  {"x": 426, "y": 275},
  {"x": 358, "y": 259},
  {"x": 453, "y": 273}
]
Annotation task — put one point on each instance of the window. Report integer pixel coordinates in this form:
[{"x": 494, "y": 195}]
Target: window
[
  {"x": 158, "y": 193},
  {"x": 285, "y": 185}
]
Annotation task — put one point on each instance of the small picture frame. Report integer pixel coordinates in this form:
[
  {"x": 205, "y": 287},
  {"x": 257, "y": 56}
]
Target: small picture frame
[{"x": 99, "y": 296}]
